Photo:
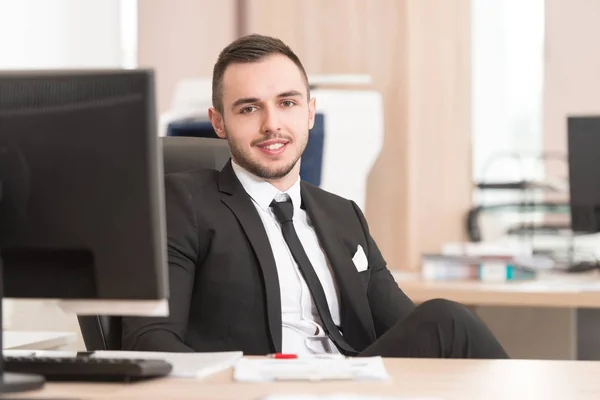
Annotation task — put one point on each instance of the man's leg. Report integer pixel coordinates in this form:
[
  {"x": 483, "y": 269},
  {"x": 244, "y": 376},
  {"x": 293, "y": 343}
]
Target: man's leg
[{"x": 438, "y": 329}]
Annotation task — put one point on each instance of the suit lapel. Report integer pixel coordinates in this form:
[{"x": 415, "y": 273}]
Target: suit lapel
[
  {"x": 347, "y": 278},
  {"x": 235, "y": 197}
]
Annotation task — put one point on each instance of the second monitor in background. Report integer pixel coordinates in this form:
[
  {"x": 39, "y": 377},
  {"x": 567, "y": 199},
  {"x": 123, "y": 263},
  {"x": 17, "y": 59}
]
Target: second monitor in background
[{"x": 584, "y": 173}]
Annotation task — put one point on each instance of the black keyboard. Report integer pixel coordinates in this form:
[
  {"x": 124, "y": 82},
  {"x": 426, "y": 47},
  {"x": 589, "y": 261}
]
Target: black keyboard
[{"x": 87, "y": 368}]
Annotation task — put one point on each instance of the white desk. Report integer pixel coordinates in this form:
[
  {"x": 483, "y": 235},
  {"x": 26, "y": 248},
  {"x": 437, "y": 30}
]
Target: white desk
[
  {"x": 550, "y": 290},
  {"x": 443, "y": 379},
  {"x": 554, "y": 317},
  {"x": 32, "y": 340}
]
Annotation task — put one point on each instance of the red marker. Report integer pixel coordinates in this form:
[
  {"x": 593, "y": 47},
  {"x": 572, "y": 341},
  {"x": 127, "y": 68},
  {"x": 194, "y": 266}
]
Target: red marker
[
  {"x": 289, "y": 356},
  {"x": 283, "y": 356}
]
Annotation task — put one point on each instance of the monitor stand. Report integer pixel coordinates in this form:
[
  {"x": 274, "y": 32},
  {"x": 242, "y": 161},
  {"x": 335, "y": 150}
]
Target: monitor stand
[{"x": 10, "y": 382}]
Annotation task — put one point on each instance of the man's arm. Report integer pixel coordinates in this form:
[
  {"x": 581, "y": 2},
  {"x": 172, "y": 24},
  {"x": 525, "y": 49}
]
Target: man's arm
[
  {"x": 168, "y": 333},
  {"x": 388, "y": 302}
]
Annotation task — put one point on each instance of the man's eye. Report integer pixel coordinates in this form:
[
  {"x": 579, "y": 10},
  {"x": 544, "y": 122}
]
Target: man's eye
[
  {"x": 287, "y": 103},
  {"x": 247, "y": 110}
]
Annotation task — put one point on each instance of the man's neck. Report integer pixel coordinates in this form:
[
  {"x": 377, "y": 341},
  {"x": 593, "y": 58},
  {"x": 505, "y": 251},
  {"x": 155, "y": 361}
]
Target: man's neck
[{"x": 286, "y": 182}]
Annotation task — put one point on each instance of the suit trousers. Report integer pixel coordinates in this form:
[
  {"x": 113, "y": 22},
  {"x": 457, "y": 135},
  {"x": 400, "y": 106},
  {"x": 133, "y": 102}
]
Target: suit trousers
[{"x": 438, "y": 329}]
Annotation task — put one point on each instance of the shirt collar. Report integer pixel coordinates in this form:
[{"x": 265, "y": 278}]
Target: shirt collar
[{"x": 262, "y": 192}]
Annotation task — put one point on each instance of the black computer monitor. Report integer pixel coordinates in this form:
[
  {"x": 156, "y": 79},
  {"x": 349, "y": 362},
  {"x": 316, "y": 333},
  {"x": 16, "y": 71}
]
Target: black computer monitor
[
  {"x": 81, "y": 191},
  {"x": 82, "y": 182},
  {"x": 584, "y": 172}
]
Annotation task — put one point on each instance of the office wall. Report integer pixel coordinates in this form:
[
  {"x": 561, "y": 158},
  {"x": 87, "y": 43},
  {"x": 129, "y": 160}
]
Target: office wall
[
  {"x": 417, "y": 52},
  {"x": 182, "y": 38},
  {"x": 439, "y": 124},
  {"x": 60, "y": 34},
  {"x": 572, "y": 68}
]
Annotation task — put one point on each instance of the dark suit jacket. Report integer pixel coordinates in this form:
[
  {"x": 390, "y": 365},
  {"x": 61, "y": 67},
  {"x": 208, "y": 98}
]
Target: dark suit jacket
[{"x": 224, "y": 288}]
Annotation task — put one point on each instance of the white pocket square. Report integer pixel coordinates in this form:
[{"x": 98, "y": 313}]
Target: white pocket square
[{"x": 360, "y": 259}]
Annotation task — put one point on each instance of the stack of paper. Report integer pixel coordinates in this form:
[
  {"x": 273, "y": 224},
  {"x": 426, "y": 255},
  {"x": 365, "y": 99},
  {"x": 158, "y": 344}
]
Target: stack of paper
[{"x": 311, "y": 369}]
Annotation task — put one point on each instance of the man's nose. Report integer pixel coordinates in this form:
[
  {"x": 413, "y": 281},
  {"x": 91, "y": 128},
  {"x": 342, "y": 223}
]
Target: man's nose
[{"x": 271, "y": 122}]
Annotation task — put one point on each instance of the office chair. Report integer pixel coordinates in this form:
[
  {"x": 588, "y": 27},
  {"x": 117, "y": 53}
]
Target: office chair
[{"x": 179, "y": 154}]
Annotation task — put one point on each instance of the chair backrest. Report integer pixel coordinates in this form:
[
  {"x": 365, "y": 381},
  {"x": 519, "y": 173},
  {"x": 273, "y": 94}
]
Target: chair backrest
[
  {"x": 179, "y": 154},
  {"x": 187, "y": 153}
]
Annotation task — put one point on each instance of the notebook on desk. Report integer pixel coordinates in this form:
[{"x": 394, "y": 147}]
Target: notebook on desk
[
  {"x": 310, "y": 369},
  {"x": 185, "y": 365}
]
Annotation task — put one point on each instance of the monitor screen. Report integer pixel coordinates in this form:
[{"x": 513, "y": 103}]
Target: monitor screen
[
  {"x": 82, "y": 198},
  {"x": 584, "y": 173}
]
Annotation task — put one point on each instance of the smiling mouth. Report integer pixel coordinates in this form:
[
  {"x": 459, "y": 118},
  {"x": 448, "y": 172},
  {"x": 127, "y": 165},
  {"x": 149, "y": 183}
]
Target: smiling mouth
[{"x": 273, "y": 148}]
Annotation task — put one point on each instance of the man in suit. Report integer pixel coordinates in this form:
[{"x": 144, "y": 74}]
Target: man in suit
[{"x": 262, "y": 262}]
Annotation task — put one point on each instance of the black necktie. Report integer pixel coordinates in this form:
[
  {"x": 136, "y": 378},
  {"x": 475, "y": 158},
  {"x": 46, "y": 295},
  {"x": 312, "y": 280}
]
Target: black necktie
[{"x": 284, "y": 211}]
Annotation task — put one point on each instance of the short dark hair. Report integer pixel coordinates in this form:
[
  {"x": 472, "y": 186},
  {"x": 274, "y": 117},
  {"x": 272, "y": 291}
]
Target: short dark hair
[{"x": 247, "y": 49}]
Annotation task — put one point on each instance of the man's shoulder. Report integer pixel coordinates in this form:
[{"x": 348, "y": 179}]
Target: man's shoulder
[
  {"x": 343, "y": 212},
  {"x": 323, "y": 197}
]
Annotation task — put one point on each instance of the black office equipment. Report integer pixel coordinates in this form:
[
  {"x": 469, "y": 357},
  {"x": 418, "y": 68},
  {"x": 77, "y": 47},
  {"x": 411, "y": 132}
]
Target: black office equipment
[
  {"x": 88, "y": 368},
  {"x": 81, "y": 213},
  {"x": 584, "y": 172}
]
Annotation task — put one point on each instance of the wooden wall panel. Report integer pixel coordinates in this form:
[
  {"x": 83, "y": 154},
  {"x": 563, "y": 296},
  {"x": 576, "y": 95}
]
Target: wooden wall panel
[
  {"x": 439, "y": 115},
  {"x": 182, "y": 38}
]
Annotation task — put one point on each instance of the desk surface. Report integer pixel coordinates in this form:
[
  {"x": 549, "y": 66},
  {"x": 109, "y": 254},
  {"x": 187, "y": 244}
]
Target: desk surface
[
  {"x": 446, "y": 379},
  {"x": 553, "y": 290},
  {"x": 34, "y": 340}
]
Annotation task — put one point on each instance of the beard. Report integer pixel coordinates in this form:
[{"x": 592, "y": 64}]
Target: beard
[{"x": 244, "y": 159}]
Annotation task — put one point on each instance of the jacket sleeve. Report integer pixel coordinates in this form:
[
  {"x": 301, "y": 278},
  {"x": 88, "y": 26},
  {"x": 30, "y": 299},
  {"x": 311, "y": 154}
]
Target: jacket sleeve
[
  {"x": 167, "y": 334},
  {"x": 389, "y": 304}
]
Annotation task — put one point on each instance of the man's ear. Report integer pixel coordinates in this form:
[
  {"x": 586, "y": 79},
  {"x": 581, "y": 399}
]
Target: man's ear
[
  {"x": 312, "y": 105},
  {"x": 216, "y": 119}
]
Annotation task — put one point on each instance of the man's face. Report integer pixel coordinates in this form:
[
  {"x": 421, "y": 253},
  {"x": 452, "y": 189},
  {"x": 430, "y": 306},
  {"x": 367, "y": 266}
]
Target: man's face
[{"x": 266, "y": 116}]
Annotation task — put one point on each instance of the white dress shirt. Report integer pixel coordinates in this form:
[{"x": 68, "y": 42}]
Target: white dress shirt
[{"x": 302, "y": 332}]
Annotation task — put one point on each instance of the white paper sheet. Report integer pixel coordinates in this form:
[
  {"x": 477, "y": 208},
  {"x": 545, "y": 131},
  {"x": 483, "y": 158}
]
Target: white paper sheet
[{"x": 310, "y": 369}]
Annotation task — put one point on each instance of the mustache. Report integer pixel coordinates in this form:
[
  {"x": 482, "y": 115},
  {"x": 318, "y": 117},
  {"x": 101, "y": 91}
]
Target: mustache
[{"x": 271, "y": 137}]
